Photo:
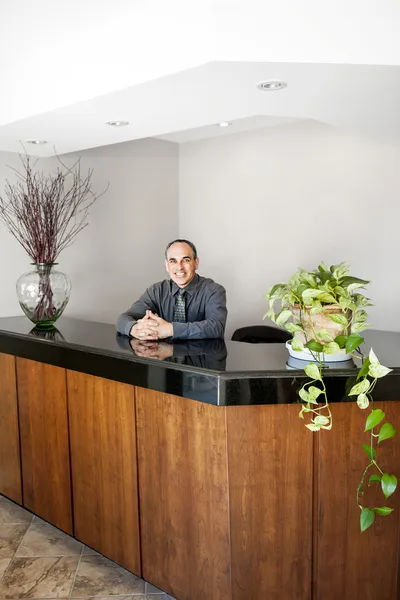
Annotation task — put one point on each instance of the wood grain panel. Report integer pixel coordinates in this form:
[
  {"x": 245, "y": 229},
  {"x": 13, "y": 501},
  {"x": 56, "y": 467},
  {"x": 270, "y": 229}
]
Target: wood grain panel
[
  {"x": 183, "y": 490},
  {"x": 270, "y": 485},
  {"x": 104, "y": 467},
  {"x": 10, "y": 464},
  {"x": 44, "y": 441},
  {"x": 351, "y": 564}
]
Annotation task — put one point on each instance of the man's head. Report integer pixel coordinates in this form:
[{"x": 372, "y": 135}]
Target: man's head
[{"x": 181, "y": 261}]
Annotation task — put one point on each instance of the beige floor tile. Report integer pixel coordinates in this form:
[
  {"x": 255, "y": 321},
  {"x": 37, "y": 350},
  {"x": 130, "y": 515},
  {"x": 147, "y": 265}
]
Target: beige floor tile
[
  {"x": 42, "y": 539},
  {"x": 135, "y": 597},
  {"x": 39, "y": 578},
  {"x": 152, "y": 589},
  {"x": 11, "y": 535},
  {"x": 4, "y": 562},
  {"x": 98, "y": 576},
  {"x": 89, "y": 551},
  {"x": 12, "y": 513}
]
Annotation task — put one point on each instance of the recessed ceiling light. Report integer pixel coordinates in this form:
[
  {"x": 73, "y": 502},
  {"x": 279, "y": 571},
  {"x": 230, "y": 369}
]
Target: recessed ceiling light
[
  {"x": 271, "y": 86},
  {"x": 224, "y": 124},
  {"x": 37, "y": 142},
  {"x": 117, "y": 123}
]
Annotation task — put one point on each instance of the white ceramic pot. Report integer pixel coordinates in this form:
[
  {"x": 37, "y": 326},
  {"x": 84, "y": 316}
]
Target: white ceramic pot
[{"x": 306, "y": 355}]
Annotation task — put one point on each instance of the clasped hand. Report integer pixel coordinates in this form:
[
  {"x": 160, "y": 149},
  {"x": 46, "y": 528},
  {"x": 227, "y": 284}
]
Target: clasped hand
[
  {"x": 152, "y": 327},
  {"x": 149, "y": 349}
]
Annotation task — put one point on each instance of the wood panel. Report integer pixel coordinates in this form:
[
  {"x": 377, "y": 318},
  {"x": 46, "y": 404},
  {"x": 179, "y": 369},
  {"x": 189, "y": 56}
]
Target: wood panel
[
  {"x": 270, "y": 459},
  {"x": 104, "y": 467},
  {"x": 44, "y": 441},
  {"x": 183, "y": 491},
  {"x": 351, "y": 564},
  {"x": 10, "y": 464}
]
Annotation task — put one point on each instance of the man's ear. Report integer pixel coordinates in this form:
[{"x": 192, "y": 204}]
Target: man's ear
[
  {"x": 166, "y": 265},
  {"x": 196, "y": 262}
]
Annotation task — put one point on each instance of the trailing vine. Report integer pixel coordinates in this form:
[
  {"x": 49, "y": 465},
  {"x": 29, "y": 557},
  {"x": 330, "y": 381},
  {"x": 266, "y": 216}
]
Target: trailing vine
[{"x": 335, "y": 295}]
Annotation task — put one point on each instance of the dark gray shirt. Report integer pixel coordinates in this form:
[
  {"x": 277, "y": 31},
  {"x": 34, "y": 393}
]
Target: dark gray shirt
[{"x": 205, "y": 308}]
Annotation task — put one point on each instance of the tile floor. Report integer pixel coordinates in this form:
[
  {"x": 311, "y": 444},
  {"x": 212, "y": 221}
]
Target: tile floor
[{"x": 39, "y": 561}]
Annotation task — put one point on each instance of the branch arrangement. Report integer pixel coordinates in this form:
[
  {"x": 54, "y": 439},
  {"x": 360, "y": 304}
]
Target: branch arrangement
[{"x": 45, "y": 212}]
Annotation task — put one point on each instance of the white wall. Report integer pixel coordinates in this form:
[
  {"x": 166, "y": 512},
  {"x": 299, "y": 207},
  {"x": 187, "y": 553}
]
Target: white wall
[
  {"x": 121, "y": 251},
  {"x": 262, "y": 203}
]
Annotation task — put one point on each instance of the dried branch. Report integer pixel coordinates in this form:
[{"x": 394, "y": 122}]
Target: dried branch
[{"x": 46, "y": 212}]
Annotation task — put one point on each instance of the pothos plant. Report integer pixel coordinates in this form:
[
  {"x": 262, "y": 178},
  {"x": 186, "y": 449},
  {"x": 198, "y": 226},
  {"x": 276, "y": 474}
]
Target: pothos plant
[{"x": 325, "y": 312}]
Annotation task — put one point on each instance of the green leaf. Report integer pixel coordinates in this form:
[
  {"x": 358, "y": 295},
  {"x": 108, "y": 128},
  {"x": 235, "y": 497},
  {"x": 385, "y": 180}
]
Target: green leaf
[
  {"x": 297, "y": 344},
  {"x": 373, "y": 359},
  {"x": 312, "y": 371},
  {"x": 276, "y": 292},
  {"x": 358, "y": 327},
  {"x": 293, "y": 327},
  {"x": 383, "y": 511},
  {"x": 314, "y": 346},
  {"x": 388, "y": 484},
  {"x": 361, "y": 301},
  {"x": 364, "y": 369},
  {"x": 331, "y": 348},
  {"x": 374, "y": 478},
  {"x": 346, "y": 303},
  {"x": 283, "y": 316},
  {"x": 309, "y": 295},
  {"x": 323, "y": 336},
  {"x": 326, "y": 298},
  {"x": 321, "y": 420},
  {"x": 340, "y": 291},
  {"x": 304, "y": 395},
  {"x": 313, "y": 427},
  {"x": 362, "y": 401},
  {"x": 370, "y": 452},
  {"x": 313, "y": 393},
  {"x": 346, "y": 281},
  {"x": 374, "y": 418},
  {"x": 341, "y": 341},
  {"x": 376, "y": 370},
  {"x": 360, "y": 388},
  {"x": 316, "y": 307},
  {"x": 353, "y": 341},
  {"x": 360, "y": 316},
  {"x": 270, "y": 314},
  {"x": 341, "y": 319},
  {"x": 386, "y": 431},
  {"x": 367, "y": 517}
]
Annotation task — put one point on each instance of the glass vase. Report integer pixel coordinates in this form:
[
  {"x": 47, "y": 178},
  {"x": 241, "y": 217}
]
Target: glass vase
[{"x": 43, "y": 294}]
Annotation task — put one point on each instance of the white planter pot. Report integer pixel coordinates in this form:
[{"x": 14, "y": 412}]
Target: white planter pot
[{"x": 306, "y": 355}]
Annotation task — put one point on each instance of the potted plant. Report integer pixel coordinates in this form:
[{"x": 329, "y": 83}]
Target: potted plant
[{"x": 325, "y": 312}]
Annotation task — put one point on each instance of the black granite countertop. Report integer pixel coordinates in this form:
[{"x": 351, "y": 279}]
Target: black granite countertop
[{"x": 212, "y": 371}]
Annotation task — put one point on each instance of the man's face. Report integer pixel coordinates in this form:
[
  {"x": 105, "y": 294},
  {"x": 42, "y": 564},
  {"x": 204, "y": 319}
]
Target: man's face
[{"x": 181, "y": 264}]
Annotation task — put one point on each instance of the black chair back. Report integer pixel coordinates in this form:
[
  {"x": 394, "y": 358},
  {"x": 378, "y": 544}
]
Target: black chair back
[{"x": 261, "y": 334}]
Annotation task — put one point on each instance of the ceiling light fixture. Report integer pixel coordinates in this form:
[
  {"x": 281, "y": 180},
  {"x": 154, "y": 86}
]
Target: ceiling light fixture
[
  {"x": 36, "y": 142},
  {"x": 271, "y": 86},
  {"x": 224, "y": 124},
  {"x": 117, "y": 123}
]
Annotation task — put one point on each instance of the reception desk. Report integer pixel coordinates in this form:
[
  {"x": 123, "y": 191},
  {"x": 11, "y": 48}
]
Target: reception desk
[{"x": 195, "y": 471}]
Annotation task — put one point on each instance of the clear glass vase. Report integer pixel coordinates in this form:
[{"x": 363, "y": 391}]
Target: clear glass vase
[{"x": 43, "y": 294}]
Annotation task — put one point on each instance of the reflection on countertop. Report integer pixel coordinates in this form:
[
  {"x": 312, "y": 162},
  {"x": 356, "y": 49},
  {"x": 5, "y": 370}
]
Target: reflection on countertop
[{"x": 212, "y": 355}]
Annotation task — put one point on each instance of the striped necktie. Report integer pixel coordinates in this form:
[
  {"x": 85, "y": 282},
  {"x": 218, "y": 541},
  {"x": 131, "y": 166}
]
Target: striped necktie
[{"x": 180, "y": 307}]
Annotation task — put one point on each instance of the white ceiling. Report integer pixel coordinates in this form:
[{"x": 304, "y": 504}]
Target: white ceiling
[{"x": 176, "y": 69}]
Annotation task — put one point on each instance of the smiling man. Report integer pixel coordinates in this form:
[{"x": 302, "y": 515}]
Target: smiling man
[{"x": 186, "y": 306}]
